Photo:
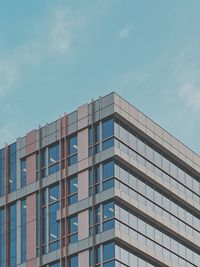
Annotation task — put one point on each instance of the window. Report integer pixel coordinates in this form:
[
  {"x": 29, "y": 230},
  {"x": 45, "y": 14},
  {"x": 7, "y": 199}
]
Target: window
[
  {"x": 73, "y": 190},
  {"x": 97, "y": 257},
  {"x": 108, "y": 173},
  {"x": 23, "y": 172},
  {"x": 54, "y": 157},
  {"x": 96, "y": 180},
  {"x": 108, "y": 216},
  {"x": 55, "y": 264},
  {"x": 96, "y": 139},
  {"x": 108, "y": 255},
  {"x": 73, "y": 229},
  {"x": 54, "y": 225},
  {"x": 107, "y": 134},
  {"x": 72, "y": 150},
  {"x": 12, "y": 235},
  {"x": 96, "y": 222},
  {"x": 41, "y": 163},
  {"x": 2, "y": 238},
  {"x": 23, "y": 230},
  {"x": 2, "y": 172},
  {"x": 73, "y": 261}
]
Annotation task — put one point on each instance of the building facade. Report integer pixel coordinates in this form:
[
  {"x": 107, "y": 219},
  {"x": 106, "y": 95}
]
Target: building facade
[{"x": 103, "y": 186}]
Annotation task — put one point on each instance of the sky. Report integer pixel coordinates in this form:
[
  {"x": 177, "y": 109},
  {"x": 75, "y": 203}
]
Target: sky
[{"x": 57, "y": 55}]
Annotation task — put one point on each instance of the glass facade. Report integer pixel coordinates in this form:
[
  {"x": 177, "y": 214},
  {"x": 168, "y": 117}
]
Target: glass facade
[
  {"x": 12, "y": 168},
  {"x": 23, "y": 230}
]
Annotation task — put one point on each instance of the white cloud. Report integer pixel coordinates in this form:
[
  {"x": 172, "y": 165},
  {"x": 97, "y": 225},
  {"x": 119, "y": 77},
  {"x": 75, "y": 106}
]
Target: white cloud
[
  {"x": 190, "y": 94},
  {"x": 124, "y": 33},
  {"x": 55, "y": 40}
]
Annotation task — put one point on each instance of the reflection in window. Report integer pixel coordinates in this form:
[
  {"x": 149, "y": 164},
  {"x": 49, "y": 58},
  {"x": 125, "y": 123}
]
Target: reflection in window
[
  {"x": 53, "y": 158},
  {"x": 23, "y": 172},
  {"x": 107, "y": 134},
  {"x": 73, "y": 229},
  {"x": 73, "y": 190},
  {"x": 108, "y": 216},
  {"x": 72, "y": 150},
  {"x": 108, "y": 254}
]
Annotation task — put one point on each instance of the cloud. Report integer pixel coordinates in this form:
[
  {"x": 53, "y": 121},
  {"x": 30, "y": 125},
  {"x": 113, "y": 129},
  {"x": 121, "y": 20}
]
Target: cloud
[
  {"x": 55, "y": 40},
  {"x": 190, "y": 94},
  {"x": 124, "y": 33}
]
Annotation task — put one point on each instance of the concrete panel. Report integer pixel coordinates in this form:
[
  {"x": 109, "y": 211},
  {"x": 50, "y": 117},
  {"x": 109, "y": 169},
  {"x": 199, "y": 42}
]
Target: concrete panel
[
  {"x": 82, "y": 146},
  {"x": 31, "y": 263},
  {"x": 83, "y": 116},
  {"x": 83, "y": 224},
  {"x": 31, "y": 227},
  {"x": 82, "y": 185},
  {"x": 83, "y": 258},
  {"x": 31, "y": 169}
]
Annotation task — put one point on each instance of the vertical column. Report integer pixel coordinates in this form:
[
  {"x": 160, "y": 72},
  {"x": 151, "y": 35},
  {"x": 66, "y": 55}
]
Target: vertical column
[
  {"x": 31, "y": 230},
  {"x": 83, "y": 224},
  {"x": 83, "y": 258},
  {"x": 83, "y": 184},
  {"x": 31, "y": 157},
  {"x": 82, "y": 137}
]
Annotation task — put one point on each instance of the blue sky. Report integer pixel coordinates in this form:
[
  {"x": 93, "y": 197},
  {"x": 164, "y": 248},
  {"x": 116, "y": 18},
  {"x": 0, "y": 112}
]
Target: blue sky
[{"x": 56, "y": 55}]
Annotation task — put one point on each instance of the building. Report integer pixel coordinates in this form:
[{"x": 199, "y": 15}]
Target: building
[{"x": 102, "y": 186}]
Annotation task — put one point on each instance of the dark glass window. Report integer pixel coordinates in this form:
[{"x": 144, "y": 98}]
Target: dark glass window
[
  {"x": 13, "y": 235},
  {"x": 96, "y": 139},
  {"x": 54, "y": 224},
  {"x": 2, "y": 238},
  {"x": 2, "y": 172},
  {"x": 41, "y": 170},
  {"x": 108, "y": 251},
  {"x": 72, "y": 150},
  {"x": 73, "y": 229},
  {"x": 108, "y": 143},
  {"x": 23, "y": 172},
  {"x": 108, "y": 174},
  {"x": 73, "y": 261},
  {"x": 54, "y": 156},
  {"x": 108, "y": 128},
  {"x": 23, "y": 230},
  {"x": 108, "y": 216},
  {"x": 73, "y": 190},
  {"x": 96, "y": 222},
  {"x": 97, "y": 257},
  {"x": 55, "y": 264}
]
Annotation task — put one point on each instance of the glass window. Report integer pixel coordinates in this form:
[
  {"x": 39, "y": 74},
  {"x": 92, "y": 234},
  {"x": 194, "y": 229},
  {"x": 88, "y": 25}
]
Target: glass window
[
  {"x": 108, "y": 128},
  {"x": 13, "y": 235},
  {"x": 108, "y": 216},
  {"x": 54, "y": 156},
  {"x": 2, "y": 172},
  {"x": 41, "y": 163},
  {"x": 23, "y": 230},
  {"x": 73, "y": 261},
  {"x": 23, "y": 172},
  {"x": 108, "y": 251},
  {"x": 108, "y": 173},
  {"x": 73, "y": 147},
  {"x": 73, "y": 190},
  {"x": 73, "y": 229},
  {"x": 2, "y": 238},
  {"x": 108, "y": 143}
]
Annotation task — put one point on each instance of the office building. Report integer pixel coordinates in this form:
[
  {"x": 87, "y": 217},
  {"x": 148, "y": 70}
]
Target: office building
[{"x": 102, "y": 186}]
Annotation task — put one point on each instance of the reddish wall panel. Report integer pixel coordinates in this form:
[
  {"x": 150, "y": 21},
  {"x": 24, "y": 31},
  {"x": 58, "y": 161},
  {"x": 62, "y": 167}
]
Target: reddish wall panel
[
  {"x": 31, "y": 168},
  {"x": 83, "y": 224},
  {"x": 31, "y": 142},
  {"x": 83, "y": 258},
  {"x": 82, "y": 185},
  {"x": 31, "y": 228}
]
